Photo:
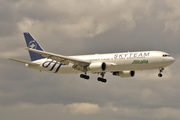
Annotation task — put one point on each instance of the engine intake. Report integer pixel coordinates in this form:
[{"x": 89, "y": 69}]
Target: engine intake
[
  {"x": 97, "y": 67},
  {"x": 124, "y": 74}
]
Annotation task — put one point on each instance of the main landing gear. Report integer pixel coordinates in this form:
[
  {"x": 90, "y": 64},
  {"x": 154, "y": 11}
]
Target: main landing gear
[
  {"x": 84, "y": 76},
  {"x": 160, "y": 72},
  {"x": 102, "y": 79},
  {"x": 99, "y": 78}
]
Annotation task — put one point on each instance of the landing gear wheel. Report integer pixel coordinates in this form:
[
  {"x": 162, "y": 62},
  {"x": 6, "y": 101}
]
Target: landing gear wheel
[
  {"x": 81, "y": 76},
  {"x": 99, "y": 79},
  {"x": 102, "y": 80},
  {"x": 160, "y": 75},
  {"x": 160, "y": 72},
  {"x": 84, "y": 76}
]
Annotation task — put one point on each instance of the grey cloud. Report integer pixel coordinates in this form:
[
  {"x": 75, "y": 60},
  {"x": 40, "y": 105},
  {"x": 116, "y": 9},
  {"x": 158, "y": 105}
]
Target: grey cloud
[{"x": 89, "y": 27}]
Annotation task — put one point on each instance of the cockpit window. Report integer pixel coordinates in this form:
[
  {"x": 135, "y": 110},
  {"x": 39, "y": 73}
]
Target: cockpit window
[{"x": 166, "y": 55}]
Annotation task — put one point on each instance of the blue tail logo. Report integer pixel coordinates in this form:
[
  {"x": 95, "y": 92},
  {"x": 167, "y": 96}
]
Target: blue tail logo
[{"x": 32, "y": 43}]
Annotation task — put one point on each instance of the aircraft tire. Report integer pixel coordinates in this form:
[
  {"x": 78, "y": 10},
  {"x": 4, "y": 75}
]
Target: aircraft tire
[
  {"x": 102, "y": 80},
  {"x": 160, "y": 75},
  {"x": 99, "y": 79},
  {"x": 87, "y": 77},
  {"x": 82, "y": 76}
]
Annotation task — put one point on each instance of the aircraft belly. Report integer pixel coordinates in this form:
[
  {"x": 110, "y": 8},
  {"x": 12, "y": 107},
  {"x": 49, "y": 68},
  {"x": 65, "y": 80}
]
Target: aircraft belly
[{"x": 68, "y": 70}]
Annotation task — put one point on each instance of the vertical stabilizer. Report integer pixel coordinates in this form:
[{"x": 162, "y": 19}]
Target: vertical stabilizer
[{"x": 32, "y": 43}]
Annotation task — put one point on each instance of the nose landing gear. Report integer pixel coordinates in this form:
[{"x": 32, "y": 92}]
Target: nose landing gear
[
  {"x": 160, "y": 75},
  {"x": 160, "y": 72}
]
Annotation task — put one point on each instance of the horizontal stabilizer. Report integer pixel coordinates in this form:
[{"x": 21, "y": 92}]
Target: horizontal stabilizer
[{"x": 25, "y": 62}]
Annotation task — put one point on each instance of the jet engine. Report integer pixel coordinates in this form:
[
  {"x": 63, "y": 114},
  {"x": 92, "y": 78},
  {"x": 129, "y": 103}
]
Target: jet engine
[
  {"x": 97, "y": 67},
  {"x": 124, "y": 74}
]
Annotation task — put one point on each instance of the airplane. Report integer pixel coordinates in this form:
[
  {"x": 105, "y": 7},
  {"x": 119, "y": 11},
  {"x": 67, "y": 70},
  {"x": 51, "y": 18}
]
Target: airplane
[{"x": 119, "y": 64}]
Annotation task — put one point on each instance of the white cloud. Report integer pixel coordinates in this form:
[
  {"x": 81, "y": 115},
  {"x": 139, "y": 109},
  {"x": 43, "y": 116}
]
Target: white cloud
[
  {"x": 84, "y": 108},
  {"x": 87, "y": 18},
  {"x": 59, "y": 111}
]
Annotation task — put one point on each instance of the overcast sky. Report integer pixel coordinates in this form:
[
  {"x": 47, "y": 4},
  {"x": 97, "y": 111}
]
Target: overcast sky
[{"x": 77, "y": 27}]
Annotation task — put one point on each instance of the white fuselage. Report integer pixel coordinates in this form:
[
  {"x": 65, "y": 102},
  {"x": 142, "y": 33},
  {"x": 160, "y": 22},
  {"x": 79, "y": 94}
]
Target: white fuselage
[{"x": 144, "y": 60}]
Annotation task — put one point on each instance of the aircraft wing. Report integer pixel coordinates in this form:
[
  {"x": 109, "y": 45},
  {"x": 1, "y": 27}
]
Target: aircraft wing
[{"x": 62, "y": 59}]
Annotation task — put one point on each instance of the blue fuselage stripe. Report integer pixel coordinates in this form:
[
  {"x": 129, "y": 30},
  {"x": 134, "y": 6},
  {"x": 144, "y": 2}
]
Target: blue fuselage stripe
[{"x": 58, "y": 68}]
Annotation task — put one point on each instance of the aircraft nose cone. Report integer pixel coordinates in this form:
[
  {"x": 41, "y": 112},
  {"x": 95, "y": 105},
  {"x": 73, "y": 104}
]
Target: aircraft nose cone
[{"x": 171, "y": 60}]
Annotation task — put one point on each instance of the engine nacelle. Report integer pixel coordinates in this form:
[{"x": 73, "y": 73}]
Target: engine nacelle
[
  {"x": 124, "y": 74},
  {"x": 97, "y": 67}
]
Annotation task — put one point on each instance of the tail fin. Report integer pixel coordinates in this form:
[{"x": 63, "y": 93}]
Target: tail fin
[{"x": 32, "y": 43}]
